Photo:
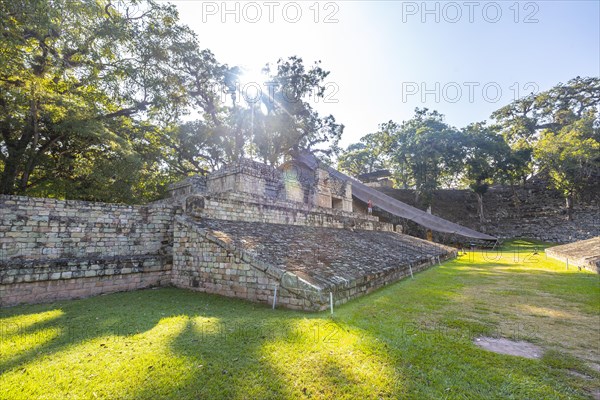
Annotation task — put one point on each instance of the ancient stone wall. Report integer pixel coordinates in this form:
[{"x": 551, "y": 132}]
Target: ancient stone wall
[
  {"x": 192, "y": 184},
  {"x": 250, "y": 259},
  {"x": 206, "y": 264},
  {"x": 292, "y": 182},
  {"x": 52, "y": 249},
  {"x": 247, "y": 176},
  {"x": 243, "y": 207},
  {"x": 582, "y": 254},
  {"x": 530, "y": 211}
]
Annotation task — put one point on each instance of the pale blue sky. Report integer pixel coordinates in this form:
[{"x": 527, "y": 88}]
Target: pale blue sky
[{"x": 382, "y": 56}]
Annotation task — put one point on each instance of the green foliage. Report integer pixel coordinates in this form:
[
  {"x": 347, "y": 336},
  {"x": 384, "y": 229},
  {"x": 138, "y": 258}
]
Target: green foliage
[
  {"x": 427, "y": 148},
  {"x": 284, "y": 121},
  {"x": 86, "y": 87},
  {"x": 558, "y": 130},
  {"x": 485, "y": 151},
  {"x": 555, "y": 132},
  {"x": 523, "y": 121},
  {"x": 571, "y": 156},
  {"x": 367, "y": 156},
  {"x": 92, "y": 96}
]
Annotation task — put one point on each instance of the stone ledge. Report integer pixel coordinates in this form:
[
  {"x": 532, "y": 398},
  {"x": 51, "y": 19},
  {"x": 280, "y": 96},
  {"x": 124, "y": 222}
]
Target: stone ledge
[{"x": 66, "y": 269}]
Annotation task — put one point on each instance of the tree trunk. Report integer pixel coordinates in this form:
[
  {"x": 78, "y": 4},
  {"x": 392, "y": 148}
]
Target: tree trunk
[
  {"x": 9, "y": 175},
  {"x": 480, "y": 207},
  {"x": 515, "y": 197},
  {"x": 569, "y": 205},
  {"x": 30, "y": 163}
]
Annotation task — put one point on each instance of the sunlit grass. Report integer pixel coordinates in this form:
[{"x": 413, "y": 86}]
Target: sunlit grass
[{"x": 413, "y": 339}]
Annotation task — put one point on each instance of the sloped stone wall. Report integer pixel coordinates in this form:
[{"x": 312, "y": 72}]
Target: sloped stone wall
[
  {"x": 582, "y": 254},
  {"x": 206, "y": 264},
  {"x": 250, "y": 259}
]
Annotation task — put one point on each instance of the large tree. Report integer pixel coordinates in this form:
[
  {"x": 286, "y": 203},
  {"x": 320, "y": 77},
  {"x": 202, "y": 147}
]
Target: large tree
[
  {"x": 523, "y": 120},
  {"x": 571, "y": 157},
  {"x": 367, "y": 156},
  {"x": 431, "y": 151},
  {"x": 86, "y": 86},
  {"x": 283, "y": 120},
  {"x": 485, "y": 152},
  {"x": 552, "y": 129}
]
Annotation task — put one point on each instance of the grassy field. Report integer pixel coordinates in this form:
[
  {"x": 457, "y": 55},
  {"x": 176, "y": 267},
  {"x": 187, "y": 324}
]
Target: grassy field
[{"x": 413, "y": 339}]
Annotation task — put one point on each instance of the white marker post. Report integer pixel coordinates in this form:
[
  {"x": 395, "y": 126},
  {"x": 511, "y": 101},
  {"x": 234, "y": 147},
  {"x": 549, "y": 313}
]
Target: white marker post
[
  {"x": 275, "y": 298},
  {"x": 567, "y": 263},
  {"x": 331, "y": 302},
  {"x": 411, "y": 274}
]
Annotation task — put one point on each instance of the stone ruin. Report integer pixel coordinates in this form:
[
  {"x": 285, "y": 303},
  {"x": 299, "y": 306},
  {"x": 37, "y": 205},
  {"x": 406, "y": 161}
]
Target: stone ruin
[
  {"x": 581, "y": 254},
  {"x": 292, "y": 236}
]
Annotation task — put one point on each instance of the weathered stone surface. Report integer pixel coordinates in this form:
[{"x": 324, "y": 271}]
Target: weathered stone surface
[
  {"x": 304, "y": 263},
  {"x": 324, "y": 256},
  {"x": 36, "y": 228},
  {"x": 248, "y": 231},
  {"x": 530, "y": 211},
  {"x": 583, "y": 254}
]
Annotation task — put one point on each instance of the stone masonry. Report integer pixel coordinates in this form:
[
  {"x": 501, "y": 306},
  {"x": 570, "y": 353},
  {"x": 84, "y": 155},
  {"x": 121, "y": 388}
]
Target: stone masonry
[
  {"x": 304, "y": 264},
  {"x": 245, "y": 231},
  {"x": 52, "y": 249},
  {"x": 583, "y": 254}
]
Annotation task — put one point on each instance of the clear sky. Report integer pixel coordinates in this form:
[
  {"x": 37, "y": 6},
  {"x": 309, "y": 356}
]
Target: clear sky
[{"x": 464, "y": 58}]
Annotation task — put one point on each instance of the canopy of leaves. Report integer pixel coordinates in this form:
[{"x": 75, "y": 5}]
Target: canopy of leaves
[
  {"x": 87, "y": 87},
  {"x": 428, "y": 149},
  {"x": 284, "y": 120},
  {"x": 364, "y": 157},
  {"x": 571, "y": 156}
]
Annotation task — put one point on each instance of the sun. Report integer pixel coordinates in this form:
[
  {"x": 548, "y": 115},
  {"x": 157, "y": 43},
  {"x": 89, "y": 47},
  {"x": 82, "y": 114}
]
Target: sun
[
  {"x": 253, "y": 75},
  {"x": 253, "y": 87}
]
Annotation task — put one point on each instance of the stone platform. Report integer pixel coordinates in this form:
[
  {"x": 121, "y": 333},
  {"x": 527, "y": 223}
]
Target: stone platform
[
  {"x": 583, "y": 254},
  {"x": 305, "y": 264}
]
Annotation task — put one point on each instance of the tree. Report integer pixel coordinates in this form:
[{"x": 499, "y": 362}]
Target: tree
[
  {"x": 571, "y": 156},
  {"x": 364, "y": 157},
  {"x": 547, "y": 127},
  {"x": 485, "y": 151},
  {"x": 284, "y": 121},
  {"x": 524, "y": 119},
  {"x": 84, "y": 88},
  {"x": 431, "y": 151}
]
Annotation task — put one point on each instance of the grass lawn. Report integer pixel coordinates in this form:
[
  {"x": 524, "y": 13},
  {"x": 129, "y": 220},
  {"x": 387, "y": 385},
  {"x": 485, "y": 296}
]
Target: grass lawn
[{"x": 413, "y": 339}]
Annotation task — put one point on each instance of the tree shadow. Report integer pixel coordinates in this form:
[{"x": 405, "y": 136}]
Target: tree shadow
[
  {"x": 227, "y": 359},
  {"x": 225, "y": 352}
]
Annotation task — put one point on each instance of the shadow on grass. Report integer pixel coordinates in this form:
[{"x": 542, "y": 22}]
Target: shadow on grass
[
  {"x": 225, "y": 348},
  {"x": 221, "y": 339}
]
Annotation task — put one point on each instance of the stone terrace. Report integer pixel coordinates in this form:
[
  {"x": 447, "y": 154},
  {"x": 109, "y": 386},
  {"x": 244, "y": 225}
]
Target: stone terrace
[
  {"x": 250, "y": 259},
  {"x": 325, "y": 257},
  {"x": 583, "y": 254}
]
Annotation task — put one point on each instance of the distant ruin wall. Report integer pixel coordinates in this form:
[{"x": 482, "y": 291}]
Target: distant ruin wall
[
  {"x": 531, "y": 211},
  {"x": 52, "y": 249}
]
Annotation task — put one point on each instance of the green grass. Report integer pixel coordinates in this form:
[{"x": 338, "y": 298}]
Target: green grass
[{"x": 413, "y": 339}]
